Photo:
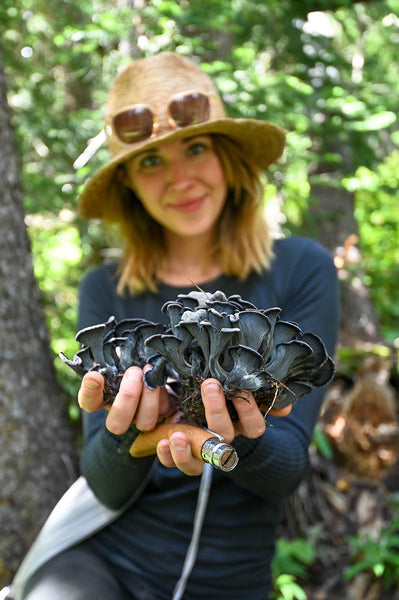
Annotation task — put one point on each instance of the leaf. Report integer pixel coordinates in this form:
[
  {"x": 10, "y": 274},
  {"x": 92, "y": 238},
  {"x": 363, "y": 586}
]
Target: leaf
[
  {"x": 322, "y": 444},
  {"x": 379, "y": 570},
  {"x": 375, "y": 122},
  {"x": 288, "y": 588}
]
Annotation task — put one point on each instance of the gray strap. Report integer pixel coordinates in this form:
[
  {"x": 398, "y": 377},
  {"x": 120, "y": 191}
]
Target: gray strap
[{"x": 191, "y": 556}]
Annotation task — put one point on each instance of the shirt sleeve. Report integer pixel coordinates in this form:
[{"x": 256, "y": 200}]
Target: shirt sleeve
[
  {"x": 273, "y": 465},
  {"x": 112, "y": 473}
]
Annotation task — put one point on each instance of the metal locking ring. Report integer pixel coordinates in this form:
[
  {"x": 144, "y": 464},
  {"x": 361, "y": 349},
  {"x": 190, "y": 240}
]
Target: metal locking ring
[{"x": 219, "y": 454}]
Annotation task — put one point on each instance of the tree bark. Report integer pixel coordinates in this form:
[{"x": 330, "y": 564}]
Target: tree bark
[
  {"x": 37, "y": 456},
  {"x": 337, "y": 230}
]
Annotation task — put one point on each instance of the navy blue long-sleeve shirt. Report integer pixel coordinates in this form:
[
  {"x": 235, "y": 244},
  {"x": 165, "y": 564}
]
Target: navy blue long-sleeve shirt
[{"x": 151, "y": 538}]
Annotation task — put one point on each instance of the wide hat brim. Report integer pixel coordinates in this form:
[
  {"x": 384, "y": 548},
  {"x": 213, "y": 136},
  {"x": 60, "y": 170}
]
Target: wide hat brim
[{"x": 260, "y": 142}]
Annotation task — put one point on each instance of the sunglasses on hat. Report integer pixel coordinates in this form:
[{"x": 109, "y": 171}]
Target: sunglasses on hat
[{"x": 137, "y": 122}]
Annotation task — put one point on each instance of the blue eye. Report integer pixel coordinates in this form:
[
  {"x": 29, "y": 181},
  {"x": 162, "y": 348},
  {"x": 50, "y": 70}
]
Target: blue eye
[
  {"x": 152, "y": 160},
  {"x": 196, "y": 148}
]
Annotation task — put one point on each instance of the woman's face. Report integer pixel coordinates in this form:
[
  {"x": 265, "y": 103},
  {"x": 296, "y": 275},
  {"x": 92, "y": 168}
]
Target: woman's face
[{"x": 181, "y": 184}]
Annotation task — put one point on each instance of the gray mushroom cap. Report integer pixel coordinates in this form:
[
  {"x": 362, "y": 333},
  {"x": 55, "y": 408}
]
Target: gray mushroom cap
[{"x": 209, "y": 335}]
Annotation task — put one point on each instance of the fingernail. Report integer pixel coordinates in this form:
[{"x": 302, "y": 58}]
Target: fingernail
[
  {"x": 134, "y": 374},
  {"x": 163, "y": 446},
  {"x": 179, "y": 445},
  {"x": 92, "y": 384},
  {"x": 211, "y": 389}
]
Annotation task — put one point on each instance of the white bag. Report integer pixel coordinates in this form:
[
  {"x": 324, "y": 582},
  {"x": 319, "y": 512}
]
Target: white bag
[{"x": 76, "y": 517}]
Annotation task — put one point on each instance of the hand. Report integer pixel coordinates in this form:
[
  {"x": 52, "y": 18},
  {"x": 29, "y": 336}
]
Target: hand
[
  {"x": 176, "y": 451},
  {"x": 133, "y": 403}
]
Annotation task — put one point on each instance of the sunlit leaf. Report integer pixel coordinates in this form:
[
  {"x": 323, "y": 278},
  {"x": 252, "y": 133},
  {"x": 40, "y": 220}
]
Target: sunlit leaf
[{"x": 376, "y": 122}]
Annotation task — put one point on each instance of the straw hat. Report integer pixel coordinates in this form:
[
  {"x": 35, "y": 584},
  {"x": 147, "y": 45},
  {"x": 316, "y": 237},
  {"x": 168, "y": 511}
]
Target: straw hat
[{"x": 152, "y": 82}]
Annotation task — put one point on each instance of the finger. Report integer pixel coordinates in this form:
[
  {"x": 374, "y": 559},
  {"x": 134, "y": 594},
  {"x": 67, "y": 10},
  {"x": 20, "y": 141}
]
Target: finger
[
  {"x": 280, "y": 412},
  {"x": 153, "y": 404},
  {"x": 147, "y": 414},
  {"x": 167, "y": 404},
  {"x": 217, "y": 415},
  {"x": 251, "y": 422},
  {"x": 90, "y": 395},
  {"x": 164, "y": 454},
  {"x": 181, "y": 453},
  {"x": 123, "y": 409}
]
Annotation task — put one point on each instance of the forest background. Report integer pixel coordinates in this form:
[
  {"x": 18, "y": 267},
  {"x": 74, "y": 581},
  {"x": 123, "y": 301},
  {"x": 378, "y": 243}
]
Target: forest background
[{"x": 327, "y": 71}]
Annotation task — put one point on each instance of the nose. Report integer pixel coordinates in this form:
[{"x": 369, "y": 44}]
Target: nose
[{"x": 179, "y": 175}]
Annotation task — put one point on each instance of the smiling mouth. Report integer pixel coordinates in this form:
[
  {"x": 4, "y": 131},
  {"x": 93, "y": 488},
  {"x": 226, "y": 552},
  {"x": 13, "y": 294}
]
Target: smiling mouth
[{"x": 190, "y": 205}]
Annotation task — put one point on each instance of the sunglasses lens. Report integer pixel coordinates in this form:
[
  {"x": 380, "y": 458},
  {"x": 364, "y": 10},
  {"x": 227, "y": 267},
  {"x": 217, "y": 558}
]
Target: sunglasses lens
[
  {"x": 133, "y": 125},
  {"x": 190, "y": 109}
]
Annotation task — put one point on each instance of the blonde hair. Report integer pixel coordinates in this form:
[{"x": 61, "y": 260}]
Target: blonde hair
[{"x": 243, "y": 239}]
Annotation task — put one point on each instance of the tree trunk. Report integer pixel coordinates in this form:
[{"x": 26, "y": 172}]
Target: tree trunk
[
  {"x": 337, "y": 230},
  {"x": 37, "y": 456}
]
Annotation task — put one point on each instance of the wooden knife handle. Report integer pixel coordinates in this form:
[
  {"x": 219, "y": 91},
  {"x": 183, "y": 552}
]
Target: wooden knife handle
[{"x": 146, "y": 442}]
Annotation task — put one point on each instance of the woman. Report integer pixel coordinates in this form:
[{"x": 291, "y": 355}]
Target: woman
[{"x": 184, "y": 186}]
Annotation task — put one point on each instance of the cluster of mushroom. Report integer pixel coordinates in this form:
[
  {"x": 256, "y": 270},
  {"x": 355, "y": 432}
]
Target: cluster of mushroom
[{"x": 209, "y": 335}]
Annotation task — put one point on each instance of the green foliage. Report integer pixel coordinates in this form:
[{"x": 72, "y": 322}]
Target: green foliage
[
  {"x": 377, "y": 212},
  {"x": 57, "y": 251},
  {"x": 350, "y": 360},
  {"x": 286, "y": 588},
  {"x": 322, "y": 444},
  {"x": 291, "y": 561},
  {"x": 293, "y": 557},
  {"x": 380, "y": 556}
]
